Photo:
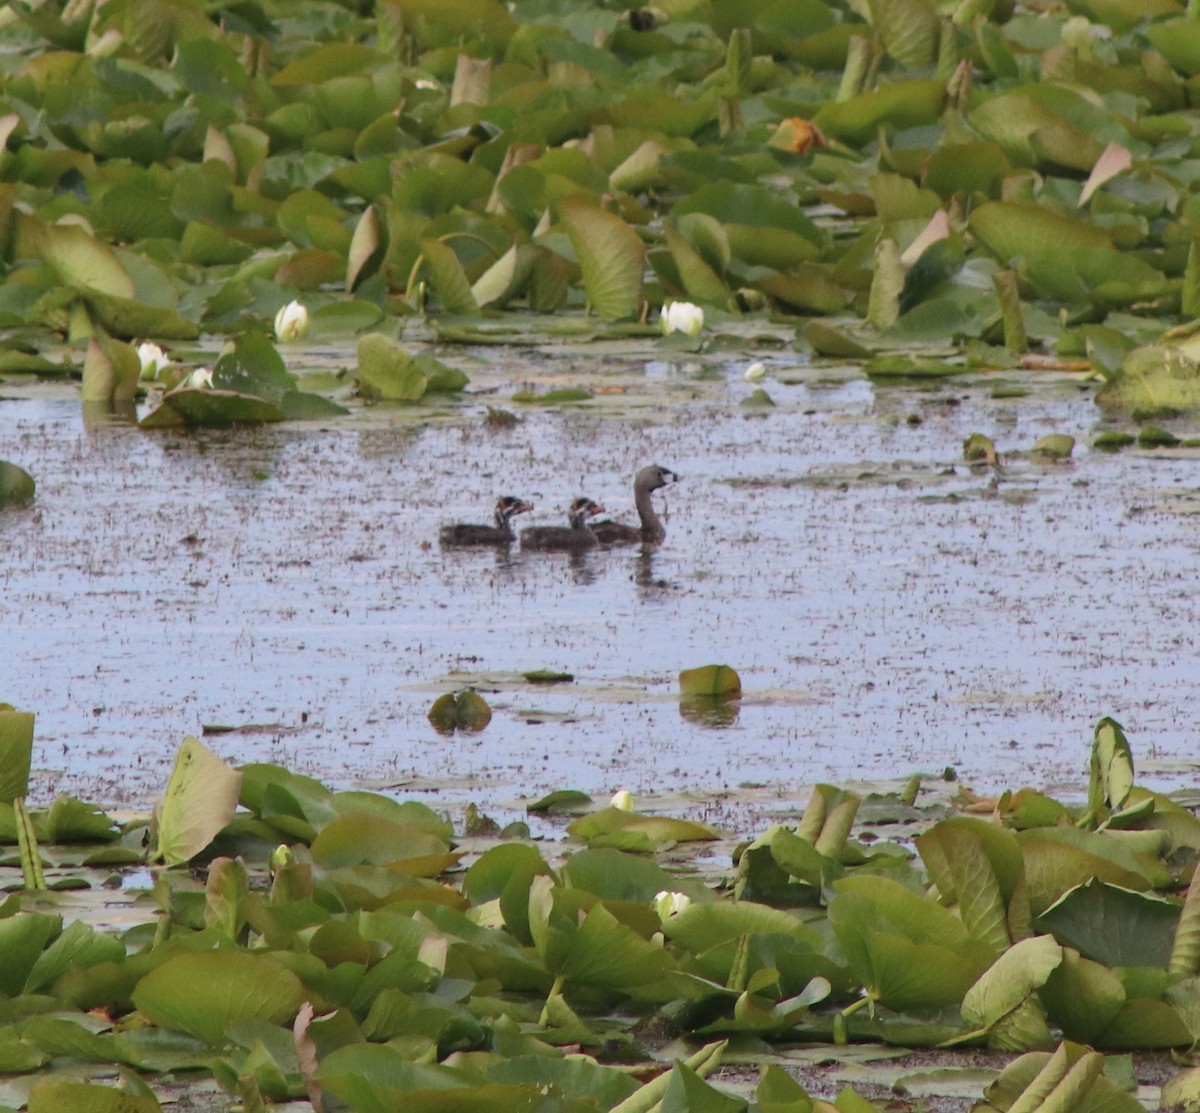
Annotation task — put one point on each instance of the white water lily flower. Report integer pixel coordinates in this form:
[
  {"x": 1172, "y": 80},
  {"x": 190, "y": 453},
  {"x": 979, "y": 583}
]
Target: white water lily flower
[
  {"x": 152, "y": 358},
  {"x": 668, "y": 903},
  {"x": 681, "y": 316},
  {"x": 200, "y": 379},
  {"x": 622, "y": 800},
  {"x": 291, "y": 322},
  {"x": 756, "y": 371}
]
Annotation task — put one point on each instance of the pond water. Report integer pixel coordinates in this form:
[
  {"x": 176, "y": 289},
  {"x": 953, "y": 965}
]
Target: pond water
[{"x": 890, "y": 610}]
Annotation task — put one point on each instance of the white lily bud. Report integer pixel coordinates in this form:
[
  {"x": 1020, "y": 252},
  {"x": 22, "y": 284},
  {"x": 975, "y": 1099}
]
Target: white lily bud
[
  {"x": 200, "y": 379},
  {"x": 622, "y": 800},
  {"x": 681, "y": 316},
  {"x": 669, "y": 903},
  {"x": 152, "y": 358},
  {"x": 291, "y": 322},
  {"x": 755, "y": 372}
]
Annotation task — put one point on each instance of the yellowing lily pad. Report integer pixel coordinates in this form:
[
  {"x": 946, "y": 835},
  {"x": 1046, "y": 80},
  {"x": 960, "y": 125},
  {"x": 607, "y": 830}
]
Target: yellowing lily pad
[{"x": 710, "y": 680}]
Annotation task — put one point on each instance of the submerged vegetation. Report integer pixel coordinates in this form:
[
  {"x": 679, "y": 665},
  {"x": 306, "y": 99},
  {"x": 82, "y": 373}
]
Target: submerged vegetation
[{"x": 352, "y": 949}]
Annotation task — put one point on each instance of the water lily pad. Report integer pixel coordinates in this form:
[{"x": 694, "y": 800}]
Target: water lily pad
[
  {"x": 465, "y": 710},
  {"x": 205, "y": 993},
  {"x": 1153, "y": 380},
  {"x": 16, "y": 484},
  {"x": 1055, "y": 446},
  {"x": 903, "y": 105},
  {"x": 200, "y": 799},
  {"x": 1154, "y": 436},
  {"x": 16, "y": 752},
  {"x": 611, "y": 256},
  {"x": 833, "y": 342},
  {"x": 1113, "y": 925},
  {"x": 209, "y": 407},
  {"x": 568, "y": 800},
  {"x": 387, "y": 371},
  {"x": 710, "y": 680},
  {"x": 50, "y": 1096}
]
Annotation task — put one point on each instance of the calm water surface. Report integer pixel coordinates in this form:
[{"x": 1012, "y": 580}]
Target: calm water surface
[{"x": 889, "y": 609}]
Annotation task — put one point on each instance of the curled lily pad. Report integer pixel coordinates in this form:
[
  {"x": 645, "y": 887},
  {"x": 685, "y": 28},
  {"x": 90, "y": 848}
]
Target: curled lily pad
[
  {"x": 16, "y": 752},
  {"x": 611, "y": 256},
  {"x": 1056, "y": 446},
  {"x": 830, "y": 341},
  {"x": 1154, "y": 436},
  {"x": 568, "y": 800},
  {"x": 387, "y": 371},
  {"x": 465, "y": 710},
  {"x": 210, "y": 407},
  {"x": 979, "y": 448},
  {"x": 201, "y": 798},
  {"x": 710, "y": 680},
  {"x": 16, "y": 484}
]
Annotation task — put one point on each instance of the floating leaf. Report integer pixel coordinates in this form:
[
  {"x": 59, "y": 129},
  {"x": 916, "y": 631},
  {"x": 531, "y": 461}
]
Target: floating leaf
[
  {"x": 210, "y": 407},
  {"x": 16, "y": 484},
  {"x": 903, "y": 105},
  {"x": 387, "y": 371},
  {"x": 449, "y": 279},
  {"x": 710, "y": 680},
  {"x": 111, "y": 371},
  {"x": 326, "y": 62},
  {"x": 49, "y": 1096},
  {"x": 1113, "y": 925},
  {"x": 1011, "y": 981},
  {"x": 909, "y": 29},
  {"x": 567, "y": 800},
  {"x": 206, "y": 993},
  {"x": 78, "y": 258},
  {"x": 465, "y": 710},
  {"x": 1111, "y": 771},
  {"x": 1054, "y": 446},
  {"x": 611, "y": 256},
  {"x": 829, "y": 341},
  {"x": 16, "y": 749},
  {"x": 200, "y": 800},
  {"x": 978, "y": 448}
]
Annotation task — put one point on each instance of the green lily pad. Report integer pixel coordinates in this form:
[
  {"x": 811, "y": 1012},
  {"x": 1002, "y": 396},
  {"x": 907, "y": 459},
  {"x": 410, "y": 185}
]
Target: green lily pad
[
  {"x": 562, "y": 800},
  {"x": 16, "y": 484},
  {"x": 1113, "y": 925},
  {"x": 16, "y": 752},
  {"x": 201, "y": 798},
  {"x": 465, "y": 710},
  {"x": 710, "y": 680},
  {"x": 833, "y": 342},
  {"x": 209, "y": 407},
  {"x": 205, "y": 993},
  {"x": 1153, "y": 380},
  {"x": 611, "y": 256},
  {"x": 1055, "y": 446},
  {"x": 387, "y": 371}
]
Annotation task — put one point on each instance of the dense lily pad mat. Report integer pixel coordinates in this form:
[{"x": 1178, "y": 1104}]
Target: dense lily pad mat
[
  {"x": 983, "y": 172},
  {"x": 341, "y": 945}
]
